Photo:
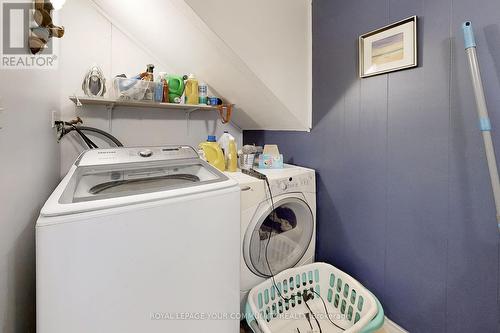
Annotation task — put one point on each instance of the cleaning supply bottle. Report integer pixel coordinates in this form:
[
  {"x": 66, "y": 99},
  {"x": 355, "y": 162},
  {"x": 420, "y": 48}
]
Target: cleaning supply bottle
[
  {"x": 175, "y": 88},
  {"x": 192, "y": 96},
  {"x": 232, "y": 161},
  {"x": 159, "y": 87},
  {"x": 213, "y": 153},
  {"x": 165, "y": 91},
  {"x": 203, "y": 93},
  {"x": 163, "y": 78},
  {"x": 224, "y": 144},
  {"x": 149, "y": 75}
]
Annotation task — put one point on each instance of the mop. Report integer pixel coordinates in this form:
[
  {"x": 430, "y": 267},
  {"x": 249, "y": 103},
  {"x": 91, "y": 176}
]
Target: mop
[{"x": 482, "y": 111}]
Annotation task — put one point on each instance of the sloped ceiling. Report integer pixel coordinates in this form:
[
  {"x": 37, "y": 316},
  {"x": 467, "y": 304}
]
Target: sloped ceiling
[
  {"x": 256, "y": 77},
  {"x": 272, "y": 38}
]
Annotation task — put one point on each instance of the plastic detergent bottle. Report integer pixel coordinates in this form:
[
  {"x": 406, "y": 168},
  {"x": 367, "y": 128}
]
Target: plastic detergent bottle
[
  {"x": 232, "y": 161},
  {"x": 213, "y": 153},
  {"x": 224, "y": 144},
  {"x": 175, "y": 88},
  {"x": 192, "y": 96}
]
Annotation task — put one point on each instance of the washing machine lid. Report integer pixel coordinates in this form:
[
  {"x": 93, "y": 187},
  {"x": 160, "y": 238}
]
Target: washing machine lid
[
  {"x": 116, "y": 177},
  {"x": 280, "y": 238},
  {"x": 91, "y": 183}
]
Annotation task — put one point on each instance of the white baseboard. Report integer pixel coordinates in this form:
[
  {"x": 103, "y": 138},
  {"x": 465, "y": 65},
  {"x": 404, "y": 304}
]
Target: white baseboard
[{"x": 391, "y": 327}]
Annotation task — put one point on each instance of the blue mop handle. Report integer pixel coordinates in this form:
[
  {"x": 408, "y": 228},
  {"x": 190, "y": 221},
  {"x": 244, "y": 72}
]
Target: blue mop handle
[{"x": 469, "y": 39}]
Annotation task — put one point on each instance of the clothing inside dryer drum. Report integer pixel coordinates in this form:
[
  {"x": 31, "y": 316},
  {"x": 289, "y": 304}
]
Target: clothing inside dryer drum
[
  {"x": 286, "y": 233},
  {"x": 283, "y": 219}
]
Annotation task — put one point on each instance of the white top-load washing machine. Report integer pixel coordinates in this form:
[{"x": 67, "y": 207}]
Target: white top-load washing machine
[
  {"x": 139, "y": 240},
  {"x": 272, "y": 242}
]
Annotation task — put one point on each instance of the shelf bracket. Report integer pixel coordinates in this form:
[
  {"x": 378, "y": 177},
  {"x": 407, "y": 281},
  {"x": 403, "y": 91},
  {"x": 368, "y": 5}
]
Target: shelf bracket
[
  {"x": 110, "y": 107},
  {"x": 188, "y": 118},
  {"x": 77, "y": 102}
]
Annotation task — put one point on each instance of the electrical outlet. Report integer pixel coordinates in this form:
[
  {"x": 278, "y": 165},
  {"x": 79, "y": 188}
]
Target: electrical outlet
[{"x": 54, "y": 118}]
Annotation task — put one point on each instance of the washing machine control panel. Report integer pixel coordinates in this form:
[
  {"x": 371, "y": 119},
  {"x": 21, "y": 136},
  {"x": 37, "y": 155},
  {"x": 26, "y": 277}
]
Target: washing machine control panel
[{"x": 135, "y": 154}]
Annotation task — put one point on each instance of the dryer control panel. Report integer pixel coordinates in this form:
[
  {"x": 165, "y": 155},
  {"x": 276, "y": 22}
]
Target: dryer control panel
[{"x": 300, "y": 183}]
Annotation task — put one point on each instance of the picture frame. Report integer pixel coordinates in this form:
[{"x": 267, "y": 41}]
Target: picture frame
[{"x": 388, "y": 49}]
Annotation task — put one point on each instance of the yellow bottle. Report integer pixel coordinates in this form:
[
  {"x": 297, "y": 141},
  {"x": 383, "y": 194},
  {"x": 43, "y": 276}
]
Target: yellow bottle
[
  {"x": 213, "y": 153},
  {"x": 232, "y": 161},
  {"x": 191, "y": 90}
]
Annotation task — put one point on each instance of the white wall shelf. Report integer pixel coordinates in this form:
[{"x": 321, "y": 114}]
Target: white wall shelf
[{"x": 110, "y": 104}]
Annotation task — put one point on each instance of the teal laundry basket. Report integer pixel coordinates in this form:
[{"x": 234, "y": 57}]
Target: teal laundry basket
[{"x": 296, "y": 299}]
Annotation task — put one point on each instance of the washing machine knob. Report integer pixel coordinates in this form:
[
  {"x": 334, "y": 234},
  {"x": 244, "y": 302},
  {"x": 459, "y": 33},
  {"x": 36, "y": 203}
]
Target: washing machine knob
[
  {"x": 145, "y": 153},
  {"x": 283, "y": 186}
]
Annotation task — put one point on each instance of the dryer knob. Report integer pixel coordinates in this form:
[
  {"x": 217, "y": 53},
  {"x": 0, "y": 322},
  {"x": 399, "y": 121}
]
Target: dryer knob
[
  {"x": 145, "y": 153},
  {"x": 283, "y": 186}
]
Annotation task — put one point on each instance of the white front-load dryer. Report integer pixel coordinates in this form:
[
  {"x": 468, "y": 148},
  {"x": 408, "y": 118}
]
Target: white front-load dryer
[{"x": 272, "y": 241}]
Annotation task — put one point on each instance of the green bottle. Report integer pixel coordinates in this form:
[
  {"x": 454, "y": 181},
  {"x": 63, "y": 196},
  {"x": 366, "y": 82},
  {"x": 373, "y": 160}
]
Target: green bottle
[{"x": 175, "y": 88}]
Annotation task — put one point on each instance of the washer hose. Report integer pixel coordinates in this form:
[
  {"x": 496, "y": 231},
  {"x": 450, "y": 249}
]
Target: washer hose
[
  {"x": 85, "y": 138},
  {"x": 79, "y": 129}
]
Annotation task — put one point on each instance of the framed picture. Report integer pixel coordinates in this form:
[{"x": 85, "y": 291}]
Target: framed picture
[{"x": 389, "y": 49}]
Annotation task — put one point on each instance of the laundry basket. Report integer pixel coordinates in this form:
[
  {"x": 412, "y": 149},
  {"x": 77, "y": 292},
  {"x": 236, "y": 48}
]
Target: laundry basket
[
  {"x": 281, "y": 252},
  {"x": 351, "y": 308}
]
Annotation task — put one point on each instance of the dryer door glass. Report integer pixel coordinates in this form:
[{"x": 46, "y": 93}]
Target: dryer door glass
[{"x": 281, "y": 237}]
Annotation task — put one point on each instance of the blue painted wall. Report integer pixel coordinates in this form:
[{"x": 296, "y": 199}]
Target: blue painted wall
[{"x": 404, "y": 200}]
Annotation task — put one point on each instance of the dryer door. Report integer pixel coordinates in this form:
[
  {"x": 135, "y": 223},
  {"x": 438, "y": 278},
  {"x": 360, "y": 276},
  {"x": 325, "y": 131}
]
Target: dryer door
[{"x": 277, "y": 240}]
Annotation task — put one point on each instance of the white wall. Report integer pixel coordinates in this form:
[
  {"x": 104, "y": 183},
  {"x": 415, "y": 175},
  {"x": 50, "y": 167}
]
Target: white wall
[
  {"x": 29, "y": 171},
  {"x": 31, "y": 161},
  {"x": 92, "y": 39}
]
